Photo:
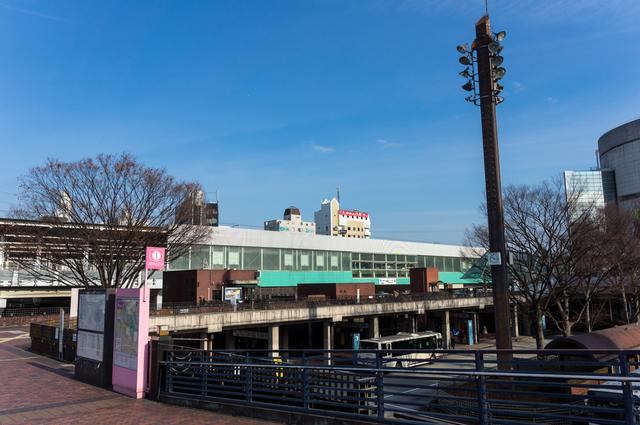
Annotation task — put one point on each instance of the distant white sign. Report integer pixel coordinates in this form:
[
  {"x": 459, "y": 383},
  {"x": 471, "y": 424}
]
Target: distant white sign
[
  {"x": 90, "y": 345},
  {"x": 387, "y": 281}
]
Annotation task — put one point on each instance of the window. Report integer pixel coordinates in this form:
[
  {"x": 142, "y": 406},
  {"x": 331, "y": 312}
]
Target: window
[
  {"x": 288, "y": 260},
  {"x": 234, "y": 258}
]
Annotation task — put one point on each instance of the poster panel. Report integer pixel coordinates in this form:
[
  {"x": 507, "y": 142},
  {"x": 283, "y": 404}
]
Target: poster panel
[
  {"x": 91, "y": 310},
  {"x": 90, "y": 345},
  {"x": 126, "y": 333},
  {"x": 232, "y": 294}
]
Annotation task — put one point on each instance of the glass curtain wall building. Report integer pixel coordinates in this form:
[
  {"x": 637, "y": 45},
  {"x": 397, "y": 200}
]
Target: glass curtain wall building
[{"x": 590, "y": 189}]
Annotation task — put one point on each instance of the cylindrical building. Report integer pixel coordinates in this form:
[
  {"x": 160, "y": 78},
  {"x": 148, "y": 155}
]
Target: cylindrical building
[{"x": 620, "y": 151}]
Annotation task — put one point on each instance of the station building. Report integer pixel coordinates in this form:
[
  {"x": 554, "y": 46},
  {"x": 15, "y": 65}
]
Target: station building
[{"x": 282, "y": 260}]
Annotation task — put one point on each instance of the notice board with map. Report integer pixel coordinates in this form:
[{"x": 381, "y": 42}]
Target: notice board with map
[
  {"x": 94, "y": 352},
  {"x": 91, "y": 317},
  {"x": 126, "y": 333},
  {"x": 131, "y": 340}
]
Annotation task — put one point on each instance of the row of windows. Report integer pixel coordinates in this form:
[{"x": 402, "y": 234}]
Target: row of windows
[
  {"x": 363, "y": 265},
  {"x": 250, "y": 258}
]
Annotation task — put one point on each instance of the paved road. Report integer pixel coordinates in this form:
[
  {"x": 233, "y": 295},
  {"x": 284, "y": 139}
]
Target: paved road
[
  {"x": 38, "y": 390},
  {"x": 413, "y": 393}
]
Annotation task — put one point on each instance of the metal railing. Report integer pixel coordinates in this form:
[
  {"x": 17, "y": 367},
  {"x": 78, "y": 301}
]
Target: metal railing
[
  {"x": 35, "y": 311},
  {"x": 471, "y": 387},
  {"x": 276, "y": 304}
]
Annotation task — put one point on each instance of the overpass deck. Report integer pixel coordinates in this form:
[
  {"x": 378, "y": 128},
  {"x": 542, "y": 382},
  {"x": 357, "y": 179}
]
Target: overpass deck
[{"x": 299, "y": 312}]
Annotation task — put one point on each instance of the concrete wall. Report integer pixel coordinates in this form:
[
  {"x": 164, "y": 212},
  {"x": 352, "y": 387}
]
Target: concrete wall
[
  {"x": 421, "y": 278},
  {"x": 195, "y": 285},
  {"x": 337, "y": 290},
  {"x": 216, "y": 322},
  {"x": 620, "y": 150}
]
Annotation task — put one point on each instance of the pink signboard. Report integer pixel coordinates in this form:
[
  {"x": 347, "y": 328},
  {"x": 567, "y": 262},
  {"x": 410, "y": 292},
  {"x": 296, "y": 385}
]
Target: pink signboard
[
  {"x": 131, "y": 342},
  {"x": 155, "y": 258},
  {"x": 353, "y": 214}
]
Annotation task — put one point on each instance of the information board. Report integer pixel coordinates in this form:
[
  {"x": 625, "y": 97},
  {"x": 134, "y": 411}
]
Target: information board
[
  {"x": 91, "y": 308},
  {"x": 126, "y": 333},
  {"x": 90, "y": 345}
]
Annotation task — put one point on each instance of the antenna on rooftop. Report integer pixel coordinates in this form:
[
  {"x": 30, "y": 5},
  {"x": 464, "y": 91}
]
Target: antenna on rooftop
[{"x": 338, "y": 195}]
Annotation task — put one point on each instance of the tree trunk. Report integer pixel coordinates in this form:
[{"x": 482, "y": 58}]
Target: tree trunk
[
  {"x": 539, "y": 331},
  {"x": 625, "y": 306},
  {"x": 566, "y": 324},
  {"x": 588, "y": 316}
]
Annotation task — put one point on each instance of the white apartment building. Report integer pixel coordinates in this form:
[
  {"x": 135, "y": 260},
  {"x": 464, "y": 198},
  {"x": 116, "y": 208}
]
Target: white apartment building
[{"x": 291, "y": 222}]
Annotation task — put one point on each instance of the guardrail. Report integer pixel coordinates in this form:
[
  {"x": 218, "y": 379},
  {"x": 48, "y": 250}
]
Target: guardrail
[
  {"x": 472, "y": 387},
  {"x": 36, "y": 311},
  {"x": 276, "y": 304}
]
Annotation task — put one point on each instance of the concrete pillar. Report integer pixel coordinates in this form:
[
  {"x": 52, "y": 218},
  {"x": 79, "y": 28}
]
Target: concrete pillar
[
  {"x": 3, "y": 303},
  {"x": 476, "y": 331},
  {"x": 274, "y": 341},
  {"x": 515, "y": 322},
  {"x": 412, "y": 323},
  {"x": 204, "y": 341},
  {"x": 230, "y": 343},
  {"x": 327, "y": 337},
  {"x": 527, "y": 327},
  {"x": 374, "y": 327},
  {"x": 284, "y": 338},
  {"x": 73, "y": 309},
  {"x": 446, "y": 330}
]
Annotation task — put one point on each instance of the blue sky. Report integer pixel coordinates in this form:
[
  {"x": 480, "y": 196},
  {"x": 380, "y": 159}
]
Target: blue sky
[{"x": 276, "y": 103}]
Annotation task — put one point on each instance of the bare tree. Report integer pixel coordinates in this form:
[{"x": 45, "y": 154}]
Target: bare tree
[
  {"x": 621, "y": 258},
  {"x": 548, "y": 241},
  {"x": 89, "y": 222}
]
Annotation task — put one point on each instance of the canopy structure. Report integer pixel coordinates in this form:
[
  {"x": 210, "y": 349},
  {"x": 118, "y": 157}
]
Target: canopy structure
[{"x": 625, "y": 337}]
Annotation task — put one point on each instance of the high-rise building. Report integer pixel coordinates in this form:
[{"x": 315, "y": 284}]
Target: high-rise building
[
  {"x": 619, "y": 150},
  {"x": 198, "y": 212},
  {"x": 333, "y": 221},
  {"x": 590, "y": 189}
]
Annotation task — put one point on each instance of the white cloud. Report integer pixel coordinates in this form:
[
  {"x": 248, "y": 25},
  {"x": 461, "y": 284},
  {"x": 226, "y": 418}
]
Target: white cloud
[
  {"x": 41, "y": 15},
  {"x": 386, "y": 144},
  {"x": 550, "y": 100},
  {"x": 318, "y": 148},
  {"x": 519, "y": 86}
]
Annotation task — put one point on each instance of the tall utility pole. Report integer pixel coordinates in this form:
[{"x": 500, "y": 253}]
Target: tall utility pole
[{"x": 485, "y": 87}]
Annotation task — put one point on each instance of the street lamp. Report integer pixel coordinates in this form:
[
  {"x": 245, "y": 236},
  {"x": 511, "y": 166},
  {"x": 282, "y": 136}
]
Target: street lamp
[{"x": 483, "y": 83}]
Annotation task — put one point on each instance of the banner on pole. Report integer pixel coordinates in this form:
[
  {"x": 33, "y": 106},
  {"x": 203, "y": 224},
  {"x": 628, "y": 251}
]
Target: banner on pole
[{"x": 155, "y": 258}]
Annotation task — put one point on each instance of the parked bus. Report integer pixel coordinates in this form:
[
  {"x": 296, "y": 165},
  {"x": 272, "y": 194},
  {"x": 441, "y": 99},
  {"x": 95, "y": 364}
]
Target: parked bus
[
  {"x": 403, "y": 342},
  {"x": 609, "y": 396}
]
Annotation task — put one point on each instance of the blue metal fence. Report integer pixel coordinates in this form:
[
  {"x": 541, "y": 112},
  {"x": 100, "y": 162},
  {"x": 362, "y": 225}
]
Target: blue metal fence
[{"x": 470, "y": 387}]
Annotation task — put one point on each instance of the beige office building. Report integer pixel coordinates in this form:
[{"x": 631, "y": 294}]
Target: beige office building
[{"x": 333, "y": 221}]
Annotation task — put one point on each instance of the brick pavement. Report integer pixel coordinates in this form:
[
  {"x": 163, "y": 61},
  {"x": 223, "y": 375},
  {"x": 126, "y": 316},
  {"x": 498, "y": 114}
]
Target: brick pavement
[{"x": 39, "y": 390}]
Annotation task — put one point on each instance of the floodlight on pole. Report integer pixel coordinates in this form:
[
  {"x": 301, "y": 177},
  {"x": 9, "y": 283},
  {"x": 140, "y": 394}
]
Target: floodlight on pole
[{"x": 484, "y": 54}]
